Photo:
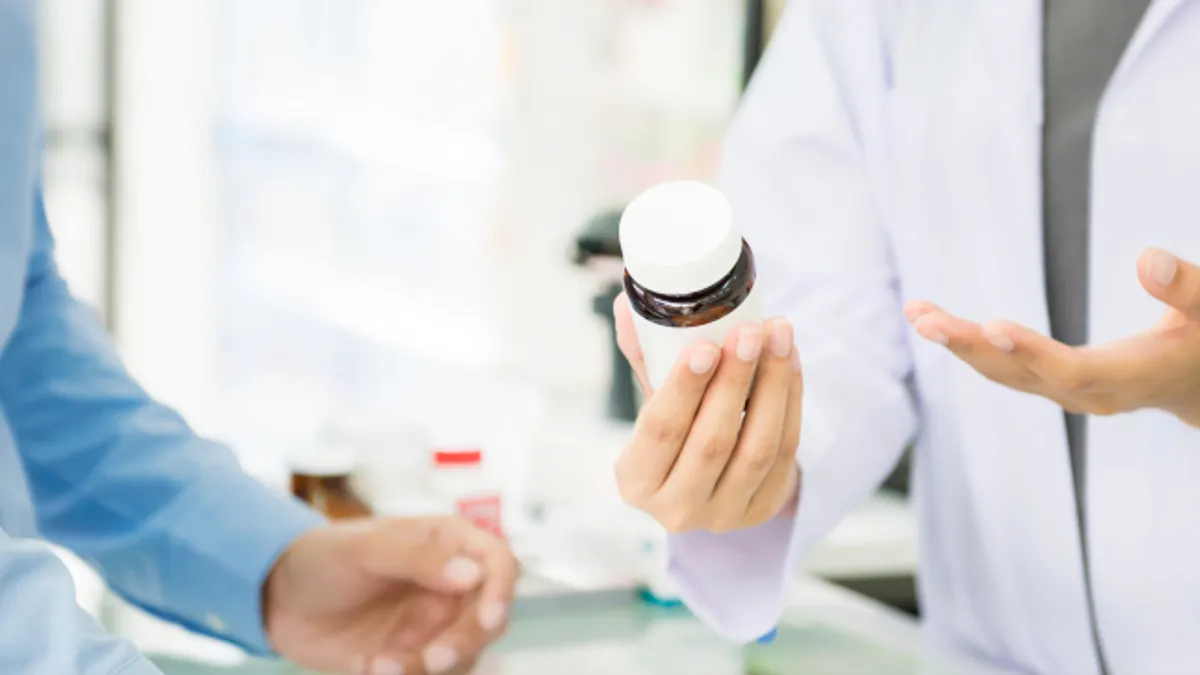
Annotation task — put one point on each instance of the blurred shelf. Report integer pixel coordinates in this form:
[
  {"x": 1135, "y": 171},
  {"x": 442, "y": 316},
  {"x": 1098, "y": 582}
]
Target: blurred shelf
[
  {"x": 878, "y": 540},
  {"x": 385, "y": 314},
  {"x": 460, "y": 155}
]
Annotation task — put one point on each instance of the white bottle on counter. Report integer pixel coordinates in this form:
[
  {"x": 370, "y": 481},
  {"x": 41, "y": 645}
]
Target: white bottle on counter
[{"x": 459, "y": 480}]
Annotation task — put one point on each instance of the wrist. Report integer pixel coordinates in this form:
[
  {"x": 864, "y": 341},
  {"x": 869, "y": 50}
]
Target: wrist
[
  {"x": 1188, "y": 414},
  {"x": 792, "y": 505},
  {"x": 1183, "y": 405},
  {"x": 269, "y": 593},
  {"x": 284, "y": 577}
]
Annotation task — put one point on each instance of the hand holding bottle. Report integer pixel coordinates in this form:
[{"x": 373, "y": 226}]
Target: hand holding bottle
[{"x": 694, "y": 462}]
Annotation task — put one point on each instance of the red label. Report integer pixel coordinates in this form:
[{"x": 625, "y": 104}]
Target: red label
[{"x": 484, "y": 512}]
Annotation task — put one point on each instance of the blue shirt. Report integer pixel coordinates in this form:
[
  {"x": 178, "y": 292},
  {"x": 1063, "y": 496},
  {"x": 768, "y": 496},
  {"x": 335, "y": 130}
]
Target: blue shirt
[{"x": 89, "y": 461}]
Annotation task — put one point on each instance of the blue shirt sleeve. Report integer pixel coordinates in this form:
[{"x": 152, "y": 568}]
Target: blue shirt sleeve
[
  {"x": 43, "y": 630},
  {"x": 168, "y": 518}
]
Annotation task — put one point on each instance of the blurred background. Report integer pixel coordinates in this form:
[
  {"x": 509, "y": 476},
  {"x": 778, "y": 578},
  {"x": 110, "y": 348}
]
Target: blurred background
[{"x": 367, "y": 230}]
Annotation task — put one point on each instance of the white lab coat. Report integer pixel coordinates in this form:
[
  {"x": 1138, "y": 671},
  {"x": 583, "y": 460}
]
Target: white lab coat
[{"x": 890, "y": 150}]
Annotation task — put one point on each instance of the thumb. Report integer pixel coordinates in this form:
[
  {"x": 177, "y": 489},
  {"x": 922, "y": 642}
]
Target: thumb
[
  {"x": 410, "y": 550},
  {"x": 627, "y": 340},
  {"x": 1172, "y": 280}
]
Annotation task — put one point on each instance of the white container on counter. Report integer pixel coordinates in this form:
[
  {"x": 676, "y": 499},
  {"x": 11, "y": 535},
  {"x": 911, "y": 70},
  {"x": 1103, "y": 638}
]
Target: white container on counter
[{"x": 460, "y": 480}]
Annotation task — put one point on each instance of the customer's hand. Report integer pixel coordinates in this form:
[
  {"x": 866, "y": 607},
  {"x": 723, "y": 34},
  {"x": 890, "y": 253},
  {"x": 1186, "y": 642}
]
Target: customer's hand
[
  {"x": 390, "y": 597},
  {"x": 1157, "y": 368},
  {"x": 693, "y": 462}
]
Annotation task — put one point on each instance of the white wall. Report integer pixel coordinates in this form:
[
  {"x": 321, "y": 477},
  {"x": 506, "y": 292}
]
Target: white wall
[
  {"x": 73, "y": 105},
  {"x": 164, "y": 255},
  {"x": 558, "y": 141},
  {"x": 164, "y": 323},
  {"x": 583, "y": 83},
  {"x": 73, "y": 101}
]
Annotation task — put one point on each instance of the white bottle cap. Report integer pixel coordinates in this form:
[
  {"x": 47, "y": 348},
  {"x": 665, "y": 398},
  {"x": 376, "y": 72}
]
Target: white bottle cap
[
  {"x": 321, "y": 460},
  {"x": 678, "y": 238}
]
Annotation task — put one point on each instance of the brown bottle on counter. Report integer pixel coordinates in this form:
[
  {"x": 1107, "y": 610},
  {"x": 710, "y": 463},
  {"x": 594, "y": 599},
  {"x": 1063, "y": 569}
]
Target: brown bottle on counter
[{"x": 322, "y": 477}]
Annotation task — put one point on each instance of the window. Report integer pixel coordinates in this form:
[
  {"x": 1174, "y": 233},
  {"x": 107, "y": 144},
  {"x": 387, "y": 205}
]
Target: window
[{"x": 333, "y": 205}]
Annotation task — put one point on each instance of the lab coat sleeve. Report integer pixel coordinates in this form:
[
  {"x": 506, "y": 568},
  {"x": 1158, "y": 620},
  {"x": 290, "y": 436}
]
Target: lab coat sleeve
[
  {"x": 794, "y": 170},
  {"x": 169, "y": 519},
  {"x": 43, "y": 630}
]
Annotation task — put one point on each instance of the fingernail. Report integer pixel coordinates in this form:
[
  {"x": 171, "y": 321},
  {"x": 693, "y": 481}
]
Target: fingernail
[
  {"x": 385, "y": 666},
  {"x": 463, "y": 571},
  {"x": 491, "y": 615},
  {"x": 933, "y": 335},
  {"x": 1162, "y": 267},
  {"x": 439, "y": 659},
  {"x": 749, "y": 344},
  {"x": 704, "y": 357},
  {"x": 998, "y": 338},
  {"x": 796, "y": 360},
  {"x": 781, "y": 339}
]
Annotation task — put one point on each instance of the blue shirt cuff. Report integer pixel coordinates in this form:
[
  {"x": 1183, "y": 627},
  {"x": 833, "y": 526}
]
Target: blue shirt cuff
[{"x": 229, "y": 542}]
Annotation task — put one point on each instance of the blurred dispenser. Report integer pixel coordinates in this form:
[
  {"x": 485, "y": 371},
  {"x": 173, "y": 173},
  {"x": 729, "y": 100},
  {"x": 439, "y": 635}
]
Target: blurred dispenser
[{"x": 598, "y": 247}]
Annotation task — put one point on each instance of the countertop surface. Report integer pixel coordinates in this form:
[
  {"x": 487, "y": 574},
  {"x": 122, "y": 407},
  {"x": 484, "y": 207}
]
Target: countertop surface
[{"x": 825, "y": 630}]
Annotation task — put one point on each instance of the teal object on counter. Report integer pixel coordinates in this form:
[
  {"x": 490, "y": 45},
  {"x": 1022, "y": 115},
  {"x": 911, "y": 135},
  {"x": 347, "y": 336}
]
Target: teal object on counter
[{"x": 655, "y": 600}]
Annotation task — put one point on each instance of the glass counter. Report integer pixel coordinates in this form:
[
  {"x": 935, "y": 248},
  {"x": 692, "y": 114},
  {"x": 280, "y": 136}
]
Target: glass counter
[{"x": 825, "y": 630}]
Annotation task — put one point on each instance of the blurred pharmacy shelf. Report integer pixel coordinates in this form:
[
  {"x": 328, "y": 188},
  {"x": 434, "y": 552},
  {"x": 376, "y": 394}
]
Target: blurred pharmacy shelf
[{"x": 878, "y": 540}]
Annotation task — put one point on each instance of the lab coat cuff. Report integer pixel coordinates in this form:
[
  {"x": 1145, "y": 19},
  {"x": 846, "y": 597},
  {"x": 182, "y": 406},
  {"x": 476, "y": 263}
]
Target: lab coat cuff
[
  {"x": 738, "y": 582},
  {"x": 735, "y": 582},
  {"x": 214, "y": 585}
]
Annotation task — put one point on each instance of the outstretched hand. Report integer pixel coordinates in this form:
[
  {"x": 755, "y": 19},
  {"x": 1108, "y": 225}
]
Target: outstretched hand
[{"x": 1156, "y": 368}]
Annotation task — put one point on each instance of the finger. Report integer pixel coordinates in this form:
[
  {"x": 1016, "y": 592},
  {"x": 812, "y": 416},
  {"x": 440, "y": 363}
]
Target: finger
[
  {"x": 456, "y": 647},
  {"x": 915, "y": 309},
  {"x": 714, "y": 433},
  {"x": 410, "y": 663},
  {"x": 500, "y": 566},
  {"x": 1173, "y": 280},
  {"x": 1060, "y": 367},
  {"x": 1104, "y": 379},
  {"x": 465, "y": 668},
  {"x": 410, "y": 550},
  {"x": 484, "y": 620},
  {"x": 967, "y": 340},
  {"x": 663, "y": 423},
  {"x": 781, "y": 482},
  {"x": 627, "y": 340},
  {"x": 758, "y": 443},
  {"x": 429, "y": 614},
  {"x": 387, "y": 663}
]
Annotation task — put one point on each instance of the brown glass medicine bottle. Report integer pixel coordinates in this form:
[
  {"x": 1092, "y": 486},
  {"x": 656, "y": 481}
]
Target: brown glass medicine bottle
[
  {"x": 323, "y": 478},
  {"x": 689, "y": 275}
]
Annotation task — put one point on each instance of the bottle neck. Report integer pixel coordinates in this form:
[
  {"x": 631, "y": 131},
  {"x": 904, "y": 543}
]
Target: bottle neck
[{"x": 698, "y": 308}]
